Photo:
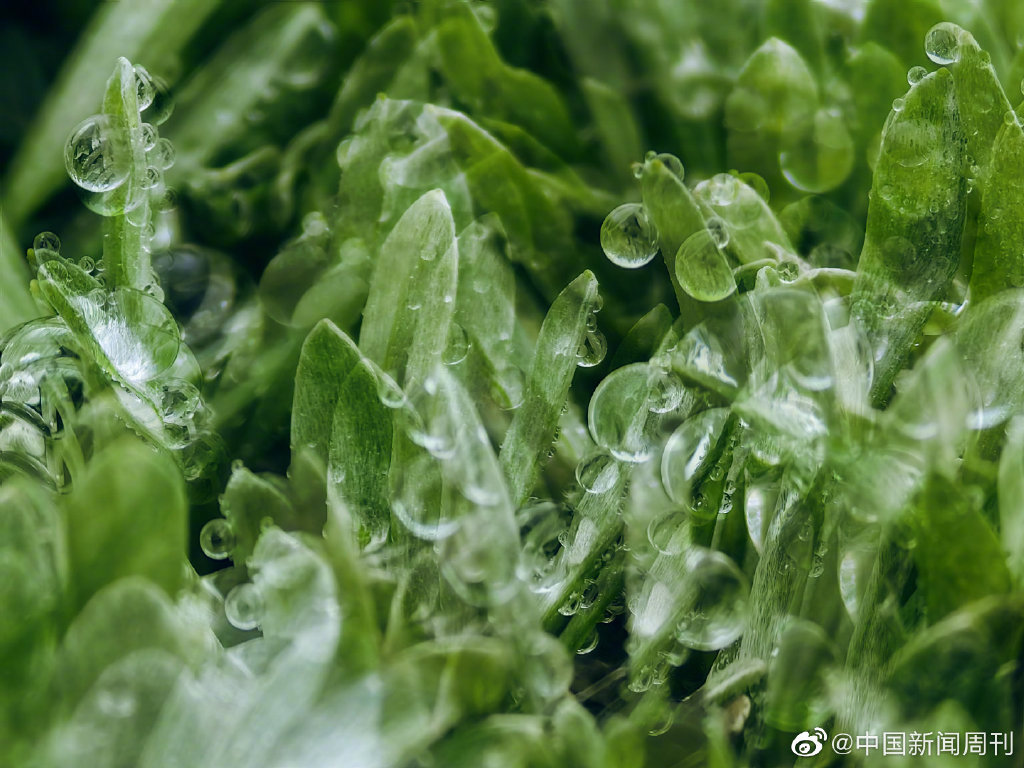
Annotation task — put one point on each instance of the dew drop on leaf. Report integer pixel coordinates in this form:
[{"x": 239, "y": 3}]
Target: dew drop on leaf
[
  {"x": 719, "y": 231},
  {"x": 97, "y": 156},
  {"x": 149, "y": 135},
  {"x": 144, "y": 86},
  {"x": 666, "y": 392},
  {"x": 702, "y": 269},
  {"x": 592, "y": 350},
  {"x": 942, "y": 43},
  {"x": 687, "y": 451},
  {"x": 161, "y": 155},
  {"x": 244, "y": 607},
  {"x": 916, "y": 74},
  {"x": 619, "y": 414},
  {"x": 818, "y": 155},
  {"x": 457, "y": 347},
  {"x": 628, "y": 236},
  {"x": 597, "y": 472},
  {"x": 716, "y": 593},
  {"x": 217, "y": 539}
]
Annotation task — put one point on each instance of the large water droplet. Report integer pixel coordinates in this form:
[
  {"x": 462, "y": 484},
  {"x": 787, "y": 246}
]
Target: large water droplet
[
  {"x": 687, "y": 451},
  {"x": 217, "y": 539},
  {"x": 244, "y": 606},
  {"x": 702, "y": 268},
  {"x": 818, "y": 156},
  {"x": 619, "y": 415},
  {"x": 597, "y": 472},
  {"x": 628, "y": 236},
  {"x": 97, "y": 156},
  {"x": 717, "y": 598},
  {"x": 942, "y": 43}
]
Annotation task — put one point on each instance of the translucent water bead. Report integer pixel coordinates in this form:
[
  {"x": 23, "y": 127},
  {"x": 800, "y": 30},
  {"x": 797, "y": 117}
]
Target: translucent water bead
[
  {"x": 687, "y": 452},
  {"x": 716, "y": 598},
  {"x": 217, "y": 539},
  {"x": 244, "y": 607},
  {"x": 942, "y": 43},
  {"x": 818, "y": 155},
  {"x": 597, "y": 472},
  {"x": 702, "y": 268},
  {"x": 628, "y": 236},
  {"x": 626, "y": 407},
  {"x": 97, "y": 156}
]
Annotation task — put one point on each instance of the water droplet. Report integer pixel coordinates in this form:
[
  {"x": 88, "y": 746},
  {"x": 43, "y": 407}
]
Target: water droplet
[
  {"x": 898, "y": 104},
  {"x": 702, "y": 268},
  {"x": 1010, "y": 117},
  {"x": 942, "y": 43},
  {"x": 628, "y": 236},
  {"x": 244, "y": 606},
  {"x": 719, "y": 231},
  {"x": 161, "y": 155},
  {"x": 593, "y": 349},
  {"x": 153, "y": 179},
  {"x": 149, "y": 136},
  {"x": 86, "y": 264},
  {"x": 390, "y": 394},
  {"x": 597, "y": 472},
  {"x": 818, "y": 155},
  {"x": 619, "y": 415},
  {"x": 97, "y": 156},
  {"x": 638, "y": 170},
  {"x": 46, "y": 246},
  {"x": 671, "y": 162},
  {"x": 716, "y": 593},
  {"x": 723, "y": 189},
  {"x": 916, "y": 74},
  {"x": 161, "y": 105},
  {"x": 144, "y": 86},
  {"x": 457, "y": 347},
  {"x": 589, "y": 644},
  {"x": 666, "y": 391},
  {"x": 217, "y": 539}
]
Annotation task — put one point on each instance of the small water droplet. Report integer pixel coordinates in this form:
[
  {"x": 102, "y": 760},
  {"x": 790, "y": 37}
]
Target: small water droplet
[
  {"x": 244, "y": 606},
  {"x": 161, "y": 155},
  {"x": 666, "y": 392},
  {"x": 46, "y": 246},
  {"x": 97, "y": 156},
  {"x": 144, "y": 86},
  {"x": 597, "y": 472},
  {"x": 593, "y": 349},
  {"x": 153, "y": 179},
  {"x": 628, "y": 236},
  {"x": 217, "y": 539},
  {"x": 942, "y": 43},
  {"x": 149, "y": 136},
  {"x": 86, "y": 264},
  {"x": 719, "y": 231},
  {"x": 1010, "y": 117},
  {"x": 916, "y": 74},
  {"x": 457, "y": 347},
  {"x": 898, "y": 104}
]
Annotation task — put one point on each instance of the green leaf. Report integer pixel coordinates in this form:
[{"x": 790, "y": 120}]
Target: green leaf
[
  {"x": 957, "y": 553},
  {"x": 127, "y": 516},
  {"x": 533, "y": 427},
  {"x": 152, "y": 30},
  {"x": 412, "y": 293},
  {"x": 998, "y": 262},
  {"x": 915, "y": 220}
]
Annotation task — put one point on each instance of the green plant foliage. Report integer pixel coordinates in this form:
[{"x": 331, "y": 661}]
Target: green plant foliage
[{"x": 388, "y": 406}]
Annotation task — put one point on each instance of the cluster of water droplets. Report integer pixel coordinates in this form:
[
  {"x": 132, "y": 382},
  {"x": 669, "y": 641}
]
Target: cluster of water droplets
[{"x": 102, "y": 156}]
